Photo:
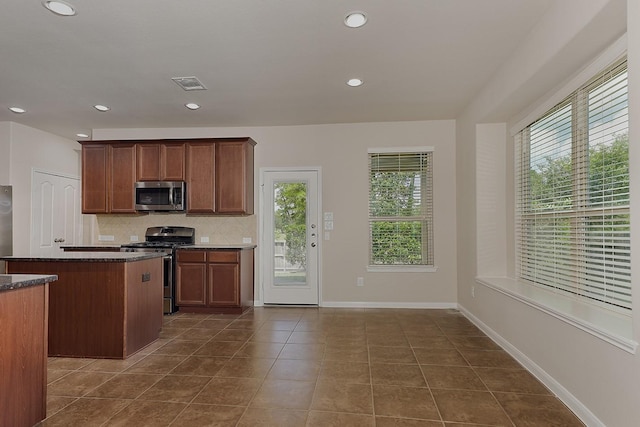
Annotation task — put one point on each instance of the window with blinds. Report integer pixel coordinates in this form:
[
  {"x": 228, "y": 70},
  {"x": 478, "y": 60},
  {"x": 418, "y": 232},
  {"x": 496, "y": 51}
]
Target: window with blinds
[
  {"x": 572, "y": 201},
  {"x": 400, "y": 208}
]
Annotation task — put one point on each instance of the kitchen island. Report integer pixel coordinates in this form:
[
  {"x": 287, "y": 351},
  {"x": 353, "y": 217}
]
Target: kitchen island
[
  {"x": 104, "y": 305},
  {"x": 23, "y": 348}
]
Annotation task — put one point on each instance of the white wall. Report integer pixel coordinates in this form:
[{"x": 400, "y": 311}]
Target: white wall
[
  {"x": 5, "y": 152},
  {"x": 23, "y": 149},
  {"x": 599, "y": 381},
  {"x": 341, "y": 151}
]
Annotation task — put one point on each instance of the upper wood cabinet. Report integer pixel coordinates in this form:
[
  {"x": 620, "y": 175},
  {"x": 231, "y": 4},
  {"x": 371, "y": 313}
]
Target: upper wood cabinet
[
  {"x": 234, "y": 177},
  {"x": 122, "y": 178},
  {"x": 200, "y": 177},
  {"x": 218, "y": 172},
  {"x": 108, "y": 176},
  {"x": 220, "y": 176},
  {"x": 95, "y": 169},
  {"x": 160, "y": 162}
]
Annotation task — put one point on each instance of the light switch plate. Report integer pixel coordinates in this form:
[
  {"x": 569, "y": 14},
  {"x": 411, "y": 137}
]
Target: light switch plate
[
  {"x": 328, "y": 225},
  {"x": 328, "y": 216}
]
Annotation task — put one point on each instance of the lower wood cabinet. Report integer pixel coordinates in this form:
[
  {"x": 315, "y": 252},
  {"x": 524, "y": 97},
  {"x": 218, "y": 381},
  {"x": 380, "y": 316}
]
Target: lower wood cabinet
[{"x": 215, "y": 281}]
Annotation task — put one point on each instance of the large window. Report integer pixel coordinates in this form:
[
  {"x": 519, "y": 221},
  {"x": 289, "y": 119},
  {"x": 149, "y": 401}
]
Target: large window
[
  {"x": 400, "y": 208},
  {"x": 572, "y": 201}
]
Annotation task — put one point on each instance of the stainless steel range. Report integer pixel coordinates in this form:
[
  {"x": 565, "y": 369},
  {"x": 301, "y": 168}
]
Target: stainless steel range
[{"x": 165, "y": 239}]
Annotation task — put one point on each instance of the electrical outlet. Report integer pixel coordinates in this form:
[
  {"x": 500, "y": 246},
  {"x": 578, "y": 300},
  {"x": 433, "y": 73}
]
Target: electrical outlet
[
  {"x": 133, "y": 238},
  {"x": 360, "y": 281},
  {"x": 204, "y": 239},
  {"x": 246, "y": 240},
  {"x": 106, "y": 238}
]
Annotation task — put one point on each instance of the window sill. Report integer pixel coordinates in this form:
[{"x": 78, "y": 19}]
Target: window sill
[
  {"x": 402, "y": 268},
  {"x": 609, "y": 326}
]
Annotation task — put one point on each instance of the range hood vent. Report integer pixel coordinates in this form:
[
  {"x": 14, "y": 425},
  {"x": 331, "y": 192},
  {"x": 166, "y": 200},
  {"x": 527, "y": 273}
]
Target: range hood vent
[{"x": 189, "y": 83}]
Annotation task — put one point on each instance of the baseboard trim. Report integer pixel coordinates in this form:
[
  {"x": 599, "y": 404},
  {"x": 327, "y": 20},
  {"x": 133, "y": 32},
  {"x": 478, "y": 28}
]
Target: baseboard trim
[
  {"x": 357, "y": 304},
  {"x": 578, "y": 408}
]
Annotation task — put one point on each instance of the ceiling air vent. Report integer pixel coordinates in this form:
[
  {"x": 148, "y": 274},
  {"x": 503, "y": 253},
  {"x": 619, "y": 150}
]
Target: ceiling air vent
[{"x": 189, "y": 83}]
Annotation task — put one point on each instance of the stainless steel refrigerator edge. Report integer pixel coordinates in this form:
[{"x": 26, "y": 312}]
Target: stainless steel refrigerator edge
[{"x": 6, "y": 223}]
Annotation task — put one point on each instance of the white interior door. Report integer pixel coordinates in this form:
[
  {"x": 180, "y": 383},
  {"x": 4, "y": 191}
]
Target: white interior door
[
  {"x": 290, "y": 241},
  {"x": 55, "y": 213}
]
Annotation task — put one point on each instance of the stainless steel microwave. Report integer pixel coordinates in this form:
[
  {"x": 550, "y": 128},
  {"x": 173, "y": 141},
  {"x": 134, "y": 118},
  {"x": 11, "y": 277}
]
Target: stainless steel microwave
[{"x": 160, "y": 196}]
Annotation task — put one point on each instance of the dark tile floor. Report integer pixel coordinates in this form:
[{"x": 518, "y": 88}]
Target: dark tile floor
[{"x": 306, "y": 367}]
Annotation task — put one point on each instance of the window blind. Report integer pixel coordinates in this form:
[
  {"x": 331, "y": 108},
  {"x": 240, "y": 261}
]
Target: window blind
[
  {"x": 400, "y": 208},
  {"x": 572, "y": 201}
]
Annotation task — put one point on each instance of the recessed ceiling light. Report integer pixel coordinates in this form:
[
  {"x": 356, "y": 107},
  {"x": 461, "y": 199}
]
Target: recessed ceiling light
[
  {"x": 17, "y": 110},
  {"x": 354, "y": 82},
  {"x": 101, "y": 107},
  {"x": 355, "y": 20},
  {"x": 59, "y": 7},
  {"x": 82, "y": 135},
  {"x": 192, "y": 106}
]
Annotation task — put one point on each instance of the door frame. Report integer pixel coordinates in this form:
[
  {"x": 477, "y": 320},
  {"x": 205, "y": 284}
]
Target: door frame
[{"x": 259, "y": 299}]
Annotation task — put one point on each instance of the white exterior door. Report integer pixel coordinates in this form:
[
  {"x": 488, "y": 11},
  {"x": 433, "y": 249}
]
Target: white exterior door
[
  {"x": 56, "y": 219},
  {"x": 290, "y": 238}
]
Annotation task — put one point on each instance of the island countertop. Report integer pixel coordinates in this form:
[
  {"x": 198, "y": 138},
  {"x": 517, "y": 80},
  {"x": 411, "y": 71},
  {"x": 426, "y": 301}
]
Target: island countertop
[
  {"x": 88, "y": 257},
  {"x": 16, "y": 281}
]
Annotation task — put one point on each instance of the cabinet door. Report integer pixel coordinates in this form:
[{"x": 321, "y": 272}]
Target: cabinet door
[
  {"x": 123, "y": 178},
  {"x": 200, "y": 160},
  {"x": 95, "y": 166},
  {"x": 148, "y": 160},
  {"x": 223, "y": 285},
  {"x": 234, "y": 178},
  {"x": 191, "y": 281},
  {"x": 172, "y": 162}
]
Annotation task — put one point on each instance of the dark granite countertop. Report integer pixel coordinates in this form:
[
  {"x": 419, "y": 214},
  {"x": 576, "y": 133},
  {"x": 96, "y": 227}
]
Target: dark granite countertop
[
  {"x": 211, "y": 246},
  {"x": 16, "y": 281},
  {"x": 88, "y": 257},
  {"x": 92, "y": 247}
]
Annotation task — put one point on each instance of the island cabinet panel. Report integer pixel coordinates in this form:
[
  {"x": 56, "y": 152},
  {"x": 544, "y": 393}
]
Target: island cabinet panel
[
  {"x": 23, "y": 355},
  {"x": 95, "y": 166},
  {"x": 234, "y": 177},
  {"x": 200, "y": 163},
  {"x": 101, "y": 309},
  {"x": 215, "y": 281},
  {"x": 160, "y": 162},
  {"x": 123, "y": 178}
]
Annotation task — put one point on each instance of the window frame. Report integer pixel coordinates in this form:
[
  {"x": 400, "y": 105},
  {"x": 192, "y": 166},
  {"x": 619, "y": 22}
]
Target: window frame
[
  {"x": 425, "y": 217},
  {"x": 580, "y": 212}
]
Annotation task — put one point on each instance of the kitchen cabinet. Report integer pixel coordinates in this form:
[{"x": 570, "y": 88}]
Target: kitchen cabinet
[
  {"x": 160, "y": 162},
  {"x": 108, "y": 176},
  {"x": 95, "y": 166},
  {"x": 200, "y": 163},
  {"x": 215, "y": 281},
  {"x": 122, "y": 178},
  {"x": 234, "y": 177},
  {"x": 218, "y": 173},
  {"x": 220, "y": 176}
]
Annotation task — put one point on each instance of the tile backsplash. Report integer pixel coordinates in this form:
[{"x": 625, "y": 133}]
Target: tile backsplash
[{"x": 220, "y": 230}]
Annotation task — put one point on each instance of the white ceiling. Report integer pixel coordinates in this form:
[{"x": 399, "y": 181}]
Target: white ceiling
[{"x": 264, "y": 62}]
